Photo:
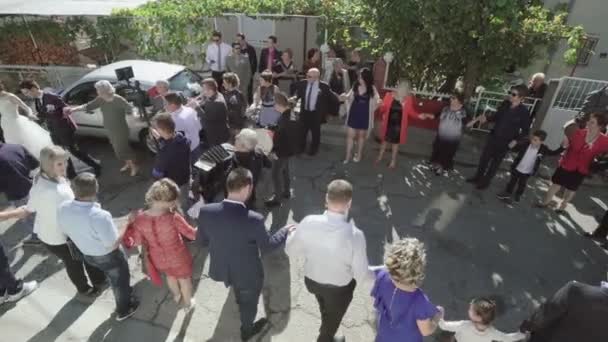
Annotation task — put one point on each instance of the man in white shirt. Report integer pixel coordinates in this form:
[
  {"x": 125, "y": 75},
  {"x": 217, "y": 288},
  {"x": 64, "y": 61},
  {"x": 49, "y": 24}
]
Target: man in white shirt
[
  {"x": 217, "y": 51},
  {"x": 335, "y": 256},
  {"x": 186, "y": 121}
]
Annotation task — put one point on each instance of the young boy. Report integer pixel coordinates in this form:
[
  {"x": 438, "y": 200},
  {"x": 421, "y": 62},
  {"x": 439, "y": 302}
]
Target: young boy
[
  {"x": 173, "y": 157},
  {"x": 529, "y": 156},
  {"x": 479, "y": 326}
]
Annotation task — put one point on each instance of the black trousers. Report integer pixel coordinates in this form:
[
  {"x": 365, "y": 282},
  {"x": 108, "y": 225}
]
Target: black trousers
[
  {"x": 602, "y": 230},
  {"x": 333, "y": 303},
  {"x": 8, "y": 282},
  {"x": 519, "y": 180},
  {"x": 310, "y": 122},
  {"x": 76, "y": 268},
  {"x": 64, "y": 136},
  {"x": 218, "y": 77},
  {"x": 280, "y": 177},
  {"x": 492, "y": 156},
  {"x": 444, "y": 151},
  {"x": 247, "y": 299},
  {"x": 250, "y": 91}
]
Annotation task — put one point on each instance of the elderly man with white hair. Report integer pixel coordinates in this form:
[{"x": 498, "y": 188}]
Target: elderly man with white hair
[
  {"x": 114, "y": 109},
  {"x": 317, "y": 100},
  {"x": 248, "y": 156},
  {"x": 158, "y": 101}
]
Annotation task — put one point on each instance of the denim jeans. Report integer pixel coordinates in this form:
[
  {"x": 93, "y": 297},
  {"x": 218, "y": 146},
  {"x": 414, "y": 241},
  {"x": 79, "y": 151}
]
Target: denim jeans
[
  {"x": 116, "y": 268},
  {"x": 28, "y": 221}
]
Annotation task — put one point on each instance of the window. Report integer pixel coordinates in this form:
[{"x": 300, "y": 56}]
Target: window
[
  {"x": 81, "y": 94},
  {"x": 585, "y": 53},
  {"x": 180, "y": 81}
]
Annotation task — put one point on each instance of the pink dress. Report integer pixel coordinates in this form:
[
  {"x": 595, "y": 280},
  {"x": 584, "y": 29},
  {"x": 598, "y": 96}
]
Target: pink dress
[{"x": 162, "y": 237}]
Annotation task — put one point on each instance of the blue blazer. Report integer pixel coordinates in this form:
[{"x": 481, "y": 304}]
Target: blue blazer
[{"x": 236, "y": 237}]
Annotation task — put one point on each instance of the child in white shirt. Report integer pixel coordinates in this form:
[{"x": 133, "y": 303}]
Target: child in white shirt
[{"x": 479, "y": 328}]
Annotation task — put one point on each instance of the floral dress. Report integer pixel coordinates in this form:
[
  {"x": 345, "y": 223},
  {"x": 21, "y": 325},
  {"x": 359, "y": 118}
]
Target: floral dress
[{"x": 162, "y": 237}]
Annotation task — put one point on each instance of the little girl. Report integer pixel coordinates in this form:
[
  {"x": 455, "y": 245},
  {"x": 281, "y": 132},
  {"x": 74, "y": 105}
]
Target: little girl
[
  {"x": 159, "y": 229},
  {"x": 479, "y": 328}
]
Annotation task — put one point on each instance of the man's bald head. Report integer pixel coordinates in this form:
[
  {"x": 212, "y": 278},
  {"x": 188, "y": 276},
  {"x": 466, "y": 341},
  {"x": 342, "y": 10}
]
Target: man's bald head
[{"x": 313, "y": 74}]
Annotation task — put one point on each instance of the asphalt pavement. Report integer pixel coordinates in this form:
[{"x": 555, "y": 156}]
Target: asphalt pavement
[{"x": 476, "y": 245}]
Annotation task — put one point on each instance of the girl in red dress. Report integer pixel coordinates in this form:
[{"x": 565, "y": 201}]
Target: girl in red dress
[{"x": 159, "y": 229}]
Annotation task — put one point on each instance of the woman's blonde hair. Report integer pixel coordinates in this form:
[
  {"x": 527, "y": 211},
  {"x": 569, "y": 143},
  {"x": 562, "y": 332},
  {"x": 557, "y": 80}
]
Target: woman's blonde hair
[
  {"x": 163, "y": 190},
  {"x": 48, "y": 156},
  {"x": 405, "y": 260}
]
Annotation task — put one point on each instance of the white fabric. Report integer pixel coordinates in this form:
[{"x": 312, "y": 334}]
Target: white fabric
[
  {"x": 186, "y": 120},
  {"x": 20, "y": 130},
  {"x": 526, "y": 165},
  {"x": 466, "y": 332},
  {"x": 213, "y": 53},
  {"x": 45, "y": 198},
  {"x": 334, "y": 249}
]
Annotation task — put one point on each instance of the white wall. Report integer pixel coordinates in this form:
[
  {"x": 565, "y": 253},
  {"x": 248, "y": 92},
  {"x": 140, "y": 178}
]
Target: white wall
[{"x": 593, "y": 16}]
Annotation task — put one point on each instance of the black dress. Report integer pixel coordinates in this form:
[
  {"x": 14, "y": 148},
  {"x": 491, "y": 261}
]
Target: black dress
[{"x": 393, "y": 129}]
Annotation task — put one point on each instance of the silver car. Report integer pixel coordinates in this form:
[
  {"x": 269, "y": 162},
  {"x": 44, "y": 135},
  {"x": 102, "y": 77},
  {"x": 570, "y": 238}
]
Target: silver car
[{"x": 145, "y": 72}]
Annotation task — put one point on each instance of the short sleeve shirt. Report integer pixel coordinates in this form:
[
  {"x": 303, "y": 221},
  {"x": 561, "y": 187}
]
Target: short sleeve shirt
[{"x": 399, "y": 310}]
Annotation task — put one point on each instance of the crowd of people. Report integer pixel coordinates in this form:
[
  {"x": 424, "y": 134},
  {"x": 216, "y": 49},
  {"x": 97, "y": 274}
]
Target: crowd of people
[{"x": 61, "y": 209}]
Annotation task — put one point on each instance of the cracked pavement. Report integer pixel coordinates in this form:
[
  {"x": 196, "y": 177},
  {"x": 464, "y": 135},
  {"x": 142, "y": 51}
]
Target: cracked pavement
[{"x": 477, "y": 245}]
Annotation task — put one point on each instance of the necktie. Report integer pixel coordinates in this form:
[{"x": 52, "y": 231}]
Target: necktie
[
  {"x": 39, "y": 105},
  {"x": 308, "y": 104},
  {"x": 219, "y": 57}
]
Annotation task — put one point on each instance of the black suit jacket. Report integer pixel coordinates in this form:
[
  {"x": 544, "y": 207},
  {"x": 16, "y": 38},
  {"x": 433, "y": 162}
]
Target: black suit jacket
[
  {"x": 264, "y": 59},
  {"x": 577, "y": 312},
  {"x": 61, "y": 126},
  {"x": 253, "y": 58},
  {"x": 213, "y": 114},
  {"x": 326, "y": 99},
  {"x": 543, "y": 151},
  {"x": 236, "y": 237}
]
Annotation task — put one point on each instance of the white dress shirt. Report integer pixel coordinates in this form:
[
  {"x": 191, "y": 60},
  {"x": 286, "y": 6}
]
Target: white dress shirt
[
  {"x": 186, "y": 120},
  {"x": 334, "y": 249},
  {"x": 526, "y": 165},
  {"x": 466, "y": 332},
  {"x": 217, "y": 54}
]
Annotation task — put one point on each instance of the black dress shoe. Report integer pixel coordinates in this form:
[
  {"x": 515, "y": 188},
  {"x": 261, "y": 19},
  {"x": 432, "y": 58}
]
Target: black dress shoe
[
  {"x": 287, "y": 195},
  {"x": 258, "y": 326},
  {"x": 594, "y": 237},
  {"x": 482, "y": 185}
]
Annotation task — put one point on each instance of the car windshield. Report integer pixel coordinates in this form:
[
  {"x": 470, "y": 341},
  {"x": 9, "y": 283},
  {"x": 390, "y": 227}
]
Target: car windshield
[{"x": 180, "y": 81}]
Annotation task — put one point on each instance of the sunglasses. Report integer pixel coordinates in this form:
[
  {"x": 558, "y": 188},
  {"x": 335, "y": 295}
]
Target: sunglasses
[{"x": 514, "y": 94}]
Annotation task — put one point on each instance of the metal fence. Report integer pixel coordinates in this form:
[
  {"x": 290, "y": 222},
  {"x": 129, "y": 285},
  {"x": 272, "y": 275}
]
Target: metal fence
[
  {"x": 489, "y": 101},
  {"x": 571, "y": 92},
  {"x": 56, "y": 77}
]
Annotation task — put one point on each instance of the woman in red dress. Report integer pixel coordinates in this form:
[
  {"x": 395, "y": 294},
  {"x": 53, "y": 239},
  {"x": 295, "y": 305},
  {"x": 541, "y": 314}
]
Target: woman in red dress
[
  {"x": 396, "y": 109},
  {"x": 584, "y": 146},
  {"x": 159, "y": 229}
]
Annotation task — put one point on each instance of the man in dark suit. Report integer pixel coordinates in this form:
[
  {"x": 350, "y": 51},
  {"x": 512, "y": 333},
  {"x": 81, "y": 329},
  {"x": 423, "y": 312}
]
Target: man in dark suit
[
  {"x": 511, "y": 124},
  {"x": 213, "y": 114},
  {"x": 61, "y": 126},
  {"x": 317, "y": 99},
  {"x": 577, "y": 311},
  {"x": 270, "y": 55},
  {"x": 249, "y": 51},
  {"x": 236, "y": 236}
]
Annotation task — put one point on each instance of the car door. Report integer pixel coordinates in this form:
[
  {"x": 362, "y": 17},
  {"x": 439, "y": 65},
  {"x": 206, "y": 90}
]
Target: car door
[{"x": 89, "y": 122}]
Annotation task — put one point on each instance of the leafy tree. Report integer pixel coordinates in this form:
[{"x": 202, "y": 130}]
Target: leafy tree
[{"x": 435, "y": 40}]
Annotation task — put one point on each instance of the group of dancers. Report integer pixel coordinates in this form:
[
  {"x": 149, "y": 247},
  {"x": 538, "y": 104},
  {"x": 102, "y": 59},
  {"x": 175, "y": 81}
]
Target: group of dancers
[{"x": 70, "y": 224}]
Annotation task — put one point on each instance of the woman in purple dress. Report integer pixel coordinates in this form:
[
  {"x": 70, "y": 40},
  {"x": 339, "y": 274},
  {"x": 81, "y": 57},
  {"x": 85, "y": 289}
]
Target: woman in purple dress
[
  {"x": 405, "y": 314},
  {"x": 361, "y": 103}
]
